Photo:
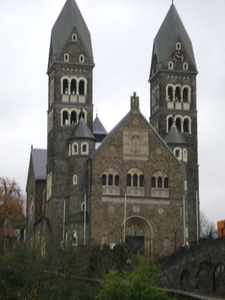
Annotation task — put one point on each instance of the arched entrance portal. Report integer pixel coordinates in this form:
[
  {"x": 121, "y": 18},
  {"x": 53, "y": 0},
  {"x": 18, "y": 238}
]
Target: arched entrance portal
[{"x": 139, "y": 235}]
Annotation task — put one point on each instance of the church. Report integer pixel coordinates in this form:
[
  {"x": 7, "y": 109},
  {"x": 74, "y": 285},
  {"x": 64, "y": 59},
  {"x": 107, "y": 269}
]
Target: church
[{"x": 138, "y": 183}]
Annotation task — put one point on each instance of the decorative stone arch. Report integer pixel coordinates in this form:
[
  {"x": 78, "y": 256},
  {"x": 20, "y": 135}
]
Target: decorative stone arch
[
  {"x": 82, "y": 87},
  {"x": 178, "y": 152},
  {"x": 186, "y": 93},
  {"x": 169, "y": 122},
  {"x": 170, "y": 92},
  {"x": 177, "y": 89},
  {"x": 186, "y": 122},
  {"x": 142, "y": 230},
  {"x": 184, "y": 280},
  {"x": 65, "y": 116}
]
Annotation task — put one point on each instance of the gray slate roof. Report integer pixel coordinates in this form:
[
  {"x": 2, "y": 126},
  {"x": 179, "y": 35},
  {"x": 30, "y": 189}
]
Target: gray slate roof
[
  {"x": 39, "y": 159},
  {"x": 81, "y": 131},
  {"x": 174, "y": 136},
  {"x": 69, "y": 19},
  {"x": 172, "y": 30},
  {"x": 98, "y": 127}
]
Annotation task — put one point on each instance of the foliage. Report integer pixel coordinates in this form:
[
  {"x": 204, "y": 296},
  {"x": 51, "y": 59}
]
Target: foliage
[
  {"x": 136, "y": 285},
  {"x": 11, "y": 210},
  {"x": 207, "y": 226}
]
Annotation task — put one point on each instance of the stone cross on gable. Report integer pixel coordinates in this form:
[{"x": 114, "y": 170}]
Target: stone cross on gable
[{"x": 134, "y": 101}]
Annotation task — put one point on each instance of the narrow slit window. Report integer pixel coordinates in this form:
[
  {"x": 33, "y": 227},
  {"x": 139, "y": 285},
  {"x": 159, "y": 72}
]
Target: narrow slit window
[
  {"x": 128, "y": 180},
  {"x": 141, "y": 180},
  {"x": 81, "y": 87},
  {"x": 110, "y": 179},
  {"x": 117, "y": 180},
  {"x": 159, "y": 182},
  {"x": 103, "y": 179},
  {"x": 73, "y": 87}
]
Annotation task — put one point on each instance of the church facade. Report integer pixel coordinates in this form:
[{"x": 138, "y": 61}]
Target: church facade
[{"x": 136, "y": 184}]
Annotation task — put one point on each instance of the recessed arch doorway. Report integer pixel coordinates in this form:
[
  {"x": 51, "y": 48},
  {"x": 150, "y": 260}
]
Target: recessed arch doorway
[{"x": 139, "y": 235}]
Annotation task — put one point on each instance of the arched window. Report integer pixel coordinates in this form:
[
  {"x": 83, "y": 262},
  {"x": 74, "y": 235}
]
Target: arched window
[
  {"x": 177, "y": 94},
  {"x": 170, "y": 94},
  {"x": 166, "y": 183},
  {"x": 73, "y": 117},
  {"x": 141, "y": 180},
  {"x": 66, "y": 57},
  {"x": 185, "y": 95},
  {"x": 178, "y": 124},
  {"x": 170, "y": 123},
  {"x": 75, "y": 180},
  {"x": 81, "y": 58},
  {"x": 81, "y": 87},
  {"x": 135, "y": 180},
  {"x": 74, "y": 37},
  {"x": 128, "y": 180},
  {"x": 65, "y": 118},
  {"x": 177, "y": 153},
  {"x": 65, "y": 86},
  {"x": 75, "y": 148},
  {"x": 103, "y": 179},
  {"x": 159, "y": 183},
  {"x": 186, "y": 125},
  {"x": 84, "y": 148},
  {"x": 153, "y": 182},
  {"x": 73, "y": 87},
  {"x": 110, "y": 179},
  {"x": 117, "y": 180}
]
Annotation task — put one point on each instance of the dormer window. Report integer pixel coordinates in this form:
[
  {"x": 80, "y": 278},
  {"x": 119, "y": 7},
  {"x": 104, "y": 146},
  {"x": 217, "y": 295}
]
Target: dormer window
[
  {"x": 74, "y": 37},
  {"x": 81, "y": 58},
  {"x": 66, "y": 57}
]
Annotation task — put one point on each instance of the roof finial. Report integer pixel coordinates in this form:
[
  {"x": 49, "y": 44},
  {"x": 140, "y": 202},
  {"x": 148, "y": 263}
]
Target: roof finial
[{"x": 172, "y": 2}]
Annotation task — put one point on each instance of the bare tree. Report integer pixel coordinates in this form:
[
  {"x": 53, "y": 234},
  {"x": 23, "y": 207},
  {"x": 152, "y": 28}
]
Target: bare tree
[
  {"x": 11, "y": 210},
  {"x": 207, "y": 226}
]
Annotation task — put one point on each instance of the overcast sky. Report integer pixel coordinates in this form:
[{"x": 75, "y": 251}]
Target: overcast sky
[{"x": 122, "y": 37}]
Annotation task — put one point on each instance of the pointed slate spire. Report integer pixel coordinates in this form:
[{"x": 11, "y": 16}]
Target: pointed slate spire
[
  {"x": 99, "y": 130},
  {"x": 174, "y": 136},
  {"x": 82, "y": 131},
  {"x": 172, "y": 30},
  {"x": 69, "y": 19}
]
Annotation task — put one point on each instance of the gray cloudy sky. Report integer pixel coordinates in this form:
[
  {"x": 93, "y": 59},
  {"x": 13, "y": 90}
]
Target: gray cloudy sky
[{"x": 122, "y": 36}]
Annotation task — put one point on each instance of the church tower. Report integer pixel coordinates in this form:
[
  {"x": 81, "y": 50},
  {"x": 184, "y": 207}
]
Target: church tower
[
  {"x": 70, "y": 68},
  {"x": 173, "y": 108}
]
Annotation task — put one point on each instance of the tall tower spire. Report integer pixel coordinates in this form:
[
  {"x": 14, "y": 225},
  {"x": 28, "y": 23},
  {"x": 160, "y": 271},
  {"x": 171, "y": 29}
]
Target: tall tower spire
[
  {"x": 70, "y": 68},
  {"x": 172, "y": 79}
]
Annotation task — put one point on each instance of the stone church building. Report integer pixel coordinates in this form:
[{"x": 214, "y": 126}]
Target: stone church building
[{"x": 136, "y": 184}]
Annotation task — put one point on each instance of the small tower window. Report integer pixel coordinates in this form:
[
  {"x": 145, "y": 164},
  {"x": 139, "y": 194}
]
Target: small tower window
[
  {"x": 170, "y": 65},
  {"x": 177, "y": 153},
  {"x": 73, "y": 87},
  {"x": 66, "y": 57},
  {"x": 75, "y": 180},
  {"x": 75, "y": 148},
  {"x": 185, "y": 66},
  {"x": 170, "y": 122},
  {"x": 84, "y": 148},
  {"x": 178, "y": 46},
  {"x": 81, "y": 58},
  {"x": 74, "y": 37}
]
